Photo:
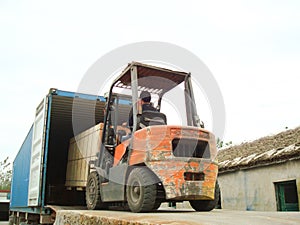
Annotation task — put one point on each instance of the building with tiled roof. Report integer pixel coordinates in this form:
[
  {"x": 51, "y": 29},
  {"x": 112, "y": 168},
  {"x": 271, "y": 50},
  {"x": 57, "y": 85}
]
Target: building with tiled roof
[{"x": 262, "y": 174}]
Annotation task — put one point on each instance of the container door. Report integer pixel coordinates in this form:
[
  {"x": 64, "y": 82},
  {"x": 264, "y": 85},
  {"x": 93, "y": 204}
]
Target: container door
[{"x": 37, "y": 152}]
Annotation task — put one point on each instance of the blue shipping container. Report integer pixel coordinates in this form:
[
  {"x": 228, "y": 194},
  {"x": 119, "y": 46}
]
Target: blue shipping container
[{"x": 39, "y": 169}]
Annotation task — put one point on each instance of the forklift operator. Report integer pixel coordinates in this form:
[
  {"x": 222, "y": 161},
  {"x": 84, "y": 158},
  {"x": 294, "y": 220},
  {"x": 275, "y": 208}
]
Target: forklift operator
[{"x": 145, "y": 100}]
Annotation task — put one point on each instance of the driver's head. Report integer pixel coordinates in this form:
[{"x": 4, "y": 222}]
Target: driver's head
[{"x": 145, "y": 96}]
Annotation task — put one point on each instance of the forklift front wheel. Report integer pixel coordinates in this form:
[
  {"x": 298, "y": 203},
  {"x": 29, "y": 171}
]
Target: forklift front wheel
[
  {"x": 141, "y": 190},
  {"x": 92, "y": 192}
]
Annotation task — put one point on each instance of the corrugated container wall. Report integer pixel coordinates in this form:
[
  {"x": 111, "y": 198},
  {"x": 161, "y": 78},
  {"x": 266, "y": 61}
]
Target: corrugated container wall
[{"x": 20, "y": 178}]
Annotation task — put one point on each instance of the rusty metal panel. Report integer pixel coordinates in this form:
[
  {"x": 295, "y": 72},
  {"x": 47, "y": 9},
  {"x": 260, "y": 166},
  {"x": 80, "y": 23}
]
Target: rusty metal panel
[
  {"x": 171, "y": 173},
  {"x": 192, "y": 177},
  {"x": 83, "y": 148}
]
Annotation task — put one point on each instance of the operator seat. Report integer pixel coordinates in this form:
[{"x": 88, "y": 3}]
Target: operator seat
[{"x": 150, "y": 118}]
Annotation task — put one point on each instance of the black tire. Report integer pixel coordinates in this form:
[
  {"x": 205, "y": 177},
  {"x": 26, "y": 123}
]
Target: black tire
[
  {"x": 92, "y": 192},
  {"x": 156, "y": 205},
  {"x": 141, "y": 190},
  {"x": 206, "y": 205}
]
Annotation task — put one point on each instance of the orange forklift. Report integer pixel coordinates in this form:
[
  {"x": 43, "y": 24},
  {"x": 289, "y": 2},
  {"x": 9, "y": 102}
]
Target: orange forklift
[{"x": 165, "y": 156}]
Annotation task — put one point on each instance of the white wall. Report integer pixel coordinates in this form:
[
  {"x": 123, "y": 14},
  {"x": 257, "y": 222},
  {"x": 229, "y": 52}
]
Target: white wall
[
  {"x": 3, "y": 197},
  {"x": 253, "y": 189}
]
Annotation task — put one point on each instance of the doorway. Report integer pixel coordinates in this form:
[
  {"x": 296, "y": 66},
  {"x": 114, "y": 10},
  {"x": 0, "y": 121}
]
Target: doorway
[{"x": 287, "y": 196}]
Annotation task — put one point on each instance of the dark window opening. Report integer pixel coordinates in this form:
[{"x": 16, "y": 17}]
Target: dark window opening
[
  {"x": 290, "y": 193},
  {"x": 190, "y": 148},
  {"x": 287, "y": 196}
]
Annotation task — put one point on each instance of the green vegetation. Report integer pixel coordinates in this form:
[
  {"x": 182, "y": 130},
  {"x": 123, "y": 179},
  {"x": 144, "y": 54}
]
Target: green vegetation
[
  {"x": 5, "y": 174},
  {"x": 221, "y": 144}
]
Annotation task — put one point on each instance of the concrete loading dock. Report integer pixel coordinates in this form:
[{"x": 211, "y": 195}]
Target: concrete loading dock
[{"x": 186, "y": 217}]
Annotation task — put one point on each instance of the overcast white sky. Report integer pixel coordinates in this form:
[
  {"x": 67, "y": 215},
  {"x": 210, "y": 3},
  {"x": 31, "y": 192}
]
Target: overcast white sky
[{"x": 251, "y": 47}]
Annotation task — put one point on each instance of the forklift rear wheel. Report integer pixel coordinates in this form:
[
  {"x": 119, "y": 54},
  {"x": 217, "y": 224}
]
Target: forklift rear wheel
[
  {"x": 157, "y": 204},
  {"x": 207, "y": 205},
  {"x": 141, "y": 190},
  {"x": 92, "y": 193}
]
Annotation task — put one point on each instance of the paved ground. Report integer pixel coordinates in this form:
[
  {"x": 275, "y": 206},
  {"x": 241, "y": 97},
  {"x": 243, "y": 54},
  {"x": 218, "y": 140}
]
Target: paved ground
[{"x": 176, "y": 217}]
